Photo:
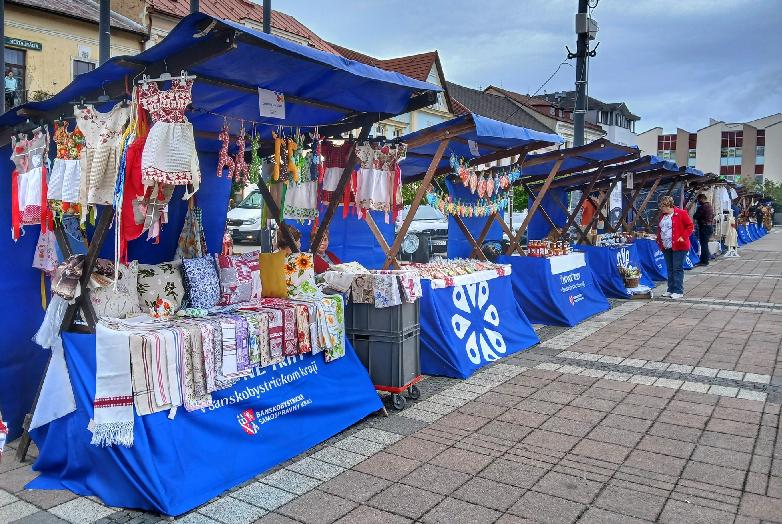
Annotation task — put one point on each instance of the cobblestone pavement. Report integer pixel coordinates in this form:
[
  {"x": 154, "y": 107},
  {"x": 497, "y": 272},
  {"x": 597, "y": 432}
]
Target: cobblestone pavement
[{"x": 661, "y": 411}]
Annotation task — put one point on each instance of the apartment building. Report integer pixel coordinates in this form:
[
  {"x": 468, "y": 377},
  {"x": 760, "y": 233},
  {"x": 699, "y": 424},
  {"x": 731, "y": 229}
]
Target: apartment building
[{"x": 745, "y": 152}]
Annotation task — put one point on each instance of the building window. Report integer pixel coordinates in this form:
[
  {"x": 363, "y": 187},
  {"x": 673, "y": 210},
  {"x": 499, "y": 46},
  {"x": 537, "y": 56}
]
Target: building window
[
  {"x": 691, "y": 158},
  {"x": 80, "y": 67},
  {"x": 760, "y": 155},
  {"x": 16, "y": 60},
  {"x": 760, "y": 150},
  {"x": 666, "y": 147}
]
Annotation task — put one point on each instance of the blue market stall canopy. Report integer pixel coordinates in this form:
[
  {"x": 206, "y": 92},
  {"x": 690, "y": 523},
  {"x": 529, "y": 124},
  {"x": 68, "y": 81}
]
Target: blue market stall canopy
[
  {"x": 494, "y": 140},
  {"x": 599, "y": 153},
  {"x": 231, "y": 62},
  {"x": 643, "y": 169}
]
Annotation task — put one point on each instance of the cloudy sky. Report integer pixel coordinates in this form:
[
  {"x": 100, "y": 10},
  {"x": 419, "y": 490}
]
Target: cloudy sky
[{"x": 674, "y": 62}]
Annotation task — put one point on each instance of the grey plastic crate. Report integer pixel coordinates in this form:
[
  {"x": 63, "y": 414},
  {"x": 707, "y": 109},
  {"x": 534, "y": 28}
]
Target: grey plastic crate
[
  {"x": 391, "y": 361},
  {"x": 387, "y": 321}
]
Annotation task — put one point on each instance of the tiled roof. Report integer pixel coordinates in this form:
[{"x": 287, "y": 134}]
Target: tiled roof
[
  {"x": 415, "y": 66},
  {"x": 567, "y": 99},
  {"x": 87, "y": 10},
  {"x": 493, "y": 106},
  {"x": 540, "y": 105},
  {"x": 238, "y": 11}
]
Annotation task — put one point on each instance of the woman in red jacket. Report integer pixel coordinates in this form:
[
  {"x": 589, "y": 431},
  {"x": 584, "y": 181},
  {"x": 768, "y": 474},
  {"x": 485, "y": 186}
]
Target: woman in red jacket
[
  {"x": 673, "y": 237},
  {"x": 324, "y": 258}
]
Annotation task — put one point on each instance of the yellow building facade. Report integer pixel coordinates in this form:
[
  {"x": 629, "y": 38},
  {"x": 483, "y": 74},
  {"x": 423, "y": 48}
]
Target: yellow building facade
[{"x": 47, "y": 50}]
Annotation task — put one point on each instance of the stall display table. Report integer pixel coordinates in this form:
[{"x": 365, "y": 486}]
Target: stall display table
[
  {"x": 754, "y": 233},
  {"x": 177, "y": 465},
  {"x": 556, "y": 291},
  {"x": 604, "y": 263},
  {"x": 471, "y": 323},
  {"x": 651, "y": 258}
]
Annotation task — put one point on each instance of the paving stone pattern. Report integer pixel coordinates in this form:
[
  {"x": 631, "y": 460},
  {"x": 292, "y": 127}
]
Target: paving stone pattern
[{"x": 660, "y": 411}]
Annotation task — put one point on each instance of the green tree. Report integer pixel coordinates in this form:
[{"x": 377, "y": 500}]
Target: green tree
[
  {"x": 520, "y": 199},
  {"x": 774, "y": 191}
]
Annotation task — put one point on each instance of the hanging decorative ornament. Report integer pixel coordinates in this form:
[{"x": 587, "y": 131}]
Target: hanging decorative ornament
[
  {"x": 481, "y": 187},
  {"x": 473, "y": 182},
  {"x": 490, "y": 187}
]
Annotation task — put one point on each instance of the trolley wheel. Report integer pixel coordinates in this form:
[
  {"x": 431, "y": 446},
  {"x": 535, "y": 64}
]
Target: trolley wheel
[
  {"x": 414, "y": 392},
  {"x": 399, "y": 401}
]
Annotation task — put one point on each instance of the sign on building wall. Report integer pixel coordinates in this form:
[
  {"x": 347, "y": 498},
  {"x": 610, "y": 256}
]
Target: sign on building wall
[{"x": 23, "y": 44}]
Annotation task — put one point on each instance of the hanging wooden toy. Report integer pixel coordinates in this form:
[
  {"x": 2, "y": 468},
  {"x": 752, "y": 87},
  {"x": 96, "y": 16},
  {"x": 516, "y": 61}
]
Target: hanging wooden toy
[
  {"x": 277, "y": 157},
  {"x": 224, "y": 160},
  {"x": 293, "y": 169},
  {"x": 241, "y": 169}
]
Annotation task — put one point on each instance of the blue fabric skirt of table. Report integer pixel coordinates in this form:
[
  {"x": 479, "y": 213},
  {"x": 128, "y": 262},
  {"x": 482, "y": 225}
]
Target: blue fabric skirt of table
[
  {"x": 743, "y": 234},
  {"x": 604, "y": 263},
  {"x": 692, "y": 257},
  {"x": 554, "y": 296},
  {"x": 177, "y": 465},
  {"x": 466, "y": 327},
  {"x": 651, "y": 259}
]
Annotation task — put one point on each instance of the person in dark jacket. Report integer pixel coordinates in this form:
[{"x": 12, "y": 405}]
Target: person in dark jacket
[
  {"x": 673, "y": 237},
  {"x": 704, "y": 217}
]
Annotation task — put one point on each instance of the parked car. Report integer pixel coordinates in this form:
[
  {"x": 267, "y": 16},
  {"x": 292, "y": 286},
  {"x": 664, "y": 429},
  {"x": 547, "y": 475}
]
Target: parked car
[
  {"x": 427, "y": 235},
  {"x": 244, "y": 221}
]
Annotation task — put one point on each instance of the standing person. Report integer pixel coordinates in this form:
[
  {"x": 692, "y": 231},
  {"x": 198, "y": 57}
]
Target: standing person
[
  {"x": 704, "y": 217},
  {"x": 11, "y": 85},
  {"x": 673, "y": 237}
]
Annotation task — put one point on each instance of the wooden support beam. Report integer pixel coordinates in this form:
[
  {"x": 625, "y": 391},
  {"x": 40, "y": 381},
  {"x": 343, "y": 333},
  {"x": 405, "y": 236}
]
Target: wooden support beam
[
  {"x": 507, "y": 230},
  {"x": 336, "y": 195},
  {"x": 484, "y": 233},
  {"x": 468, "y": 236},
  {"x": 571, "y": 221},
  {"x": 379, "y": 237},
  {"x": 514, "y": 242},
  {"x": 274, "y": 209},
  {"x": 644, "y": 203},
  {"x": 626, "y": 211},
  {"x": 82, "y": 302},
  {"x": 599, "y": 208},
  {"x": 419, "y": 196},
  {"x": 542, "y": 210}
]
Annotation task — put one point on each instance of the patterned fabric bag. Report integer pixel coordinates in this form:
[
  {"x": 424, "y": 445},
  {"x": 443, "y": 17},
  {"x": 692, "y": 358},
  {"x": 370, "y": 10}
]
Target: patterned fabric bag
[{"x": 192, "y": 242}]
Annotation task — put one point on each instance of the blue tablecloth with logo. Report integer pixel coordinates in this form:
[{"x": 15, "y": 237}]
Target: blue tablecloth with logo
[
  {"x": 465, "y": 327},
  {"x": 604, "y": 263},
  {"x": 651, "y": 259},
  {"x": 556, "y": 291},
  {"x": 177, "y": 465}
]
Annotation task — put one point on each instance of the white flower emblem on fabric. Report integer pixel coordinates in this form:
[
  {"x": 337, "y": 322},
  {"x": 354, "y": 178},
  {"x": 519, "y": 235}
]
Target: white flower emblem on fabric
[
  {"x": 482, "y": 339},
  {"x": 623, "y": 258}
]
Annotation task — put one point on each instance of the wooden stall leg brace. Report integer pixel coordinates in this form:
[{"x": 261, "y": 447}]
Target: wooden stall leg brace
[
  {"x": 419, "y": 196},
  {"x": 515, "y": 240},
  {"x": 542, "y": 210},
  {"x": 599, "y": 209},
  {"x": 573, "y": 215},
  {"x": 644, "y": 203},
  {"x": 62, "y": 242}
]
